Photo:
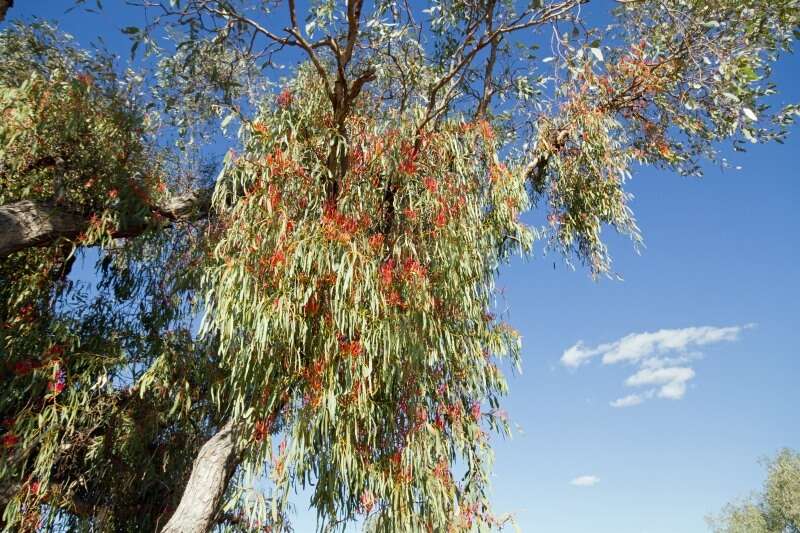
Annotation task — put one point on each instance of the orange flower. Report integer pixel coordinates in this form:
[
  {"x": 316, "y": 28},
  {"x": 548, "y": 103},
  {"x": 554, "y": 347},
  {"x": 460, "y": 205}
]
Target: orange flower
[
  {"x": 260, "y": 128},
  {"x": 376, "y": 241}
]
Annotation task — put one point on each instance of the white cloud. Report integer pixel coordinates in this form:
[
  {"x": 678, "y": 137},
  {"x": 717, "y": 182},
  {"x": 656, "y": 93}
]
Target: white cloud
[
  {"x": 662, "y": 358},
  {"x": 672, "y": 380},
  {"x": 638, "y": 346},
  {"x": 585, "y": 481},
  {"x": 577, "y": 354},
  {"x": 627, "y": 401}
]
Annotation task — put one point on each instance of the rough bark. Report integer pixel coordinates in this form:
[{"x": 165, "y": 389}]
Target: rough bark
[
  {"x": 211, "y": 473},
  {"x": 5, "y": 5},
  {"x": 28, "y": 223}
]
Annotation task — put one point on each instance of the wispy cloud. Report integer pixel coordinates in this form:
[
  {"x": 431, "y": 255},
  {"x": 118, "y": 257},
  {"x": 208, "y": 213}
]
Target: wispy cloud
[
  {"x": 585, "y": 481},
  {"x": 627, "y": 401},
  {"x": 672, "y": 380},
  {"x": 662, "y": 358}
]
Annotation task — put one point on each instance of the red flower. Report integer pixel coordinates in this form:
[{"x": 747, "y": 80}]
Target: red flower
[
  {"x": 431, "y": 184},
  {"x": 284, "y": 99},
  {"x": 113, "y": 193},
  {"x": 277, "y": 258},
  {"x": 274, "y": 196},
  {"x": 261, "y": 430},
  {"x": 56, "y": 350},
  {"x": 367, "y": 501},
  {"x": 352, "y": 348},
  {"x": 58, "y": 383},
  {"x": 410, "y": 213},
  {"x": 441, "y": 219},
  {"x": 395, "y": 299},
  {"x": 376, "y": 241},
  {"x": 23, "y": 367},
  {"x": 412, "y": 267},
  {"x": 10, "y": 440},
  {"x": 312, "y": 305},
  {"x": 34, "y": 487},
  {"x": 387, "y": 272},
  {"x": 476, "y": 411}
]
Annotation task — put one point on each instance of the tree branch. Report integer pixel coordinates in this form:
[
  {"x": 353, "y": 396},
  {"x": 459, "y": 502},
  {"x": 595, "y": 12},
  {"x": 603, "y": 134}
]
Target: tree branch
[
  {"x": 212, "y": 471},
  {"x": 5, "y": 5},
  {"x": 28, "y": 223}
]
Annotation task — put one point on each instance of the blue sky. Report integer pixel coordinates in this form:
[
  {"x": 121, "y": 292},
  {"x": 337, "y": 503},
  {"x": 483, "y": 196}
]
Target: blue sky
[{"x": 721, "y": 252}]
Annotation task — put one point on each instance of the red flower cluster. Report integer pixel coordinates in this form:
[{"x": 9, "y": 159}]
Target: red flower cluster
[
  {"x": 376, "y": 241},
  {"x": 395, "y": 299},
  {"x": 56, "y": 386},
  {"x": 442, "y": 472},
  {"x": 441, "y": 219},
  {"x": 367, "y": 501},
  {"x": 475, "y": 411},
  {"x": 312, "y": 306},
  {"x": 409, "y": 156},
  {"x": 387, "y": 272},
  {"x": 274, "y": 196},
  {"x": 10, "y": 440},
  {"x": 26, "y": 366},
  {"x": 431, "y": 184},
  {"x": 351, "y": 348},
  {"x": 277, "y": 259},
  {"x": 284, "y": 99},
  {"x": 413, "y": 269},
  {"x": 262, "y": 428},
  {"x": 338, "y": 226}
]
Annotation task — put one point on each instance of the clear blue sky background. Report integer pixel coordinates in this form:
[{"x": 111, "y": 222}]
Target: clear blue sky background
[{"x": 721, "y": 251}]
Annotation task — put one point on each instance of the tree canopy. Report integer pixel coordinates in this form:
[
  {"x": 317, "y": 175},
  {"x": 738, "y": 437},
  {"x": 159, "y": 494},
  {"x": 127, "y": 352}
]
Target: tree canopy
[
  {"x": 775, "y": 510},
  {"x": 314, "y": 308}
]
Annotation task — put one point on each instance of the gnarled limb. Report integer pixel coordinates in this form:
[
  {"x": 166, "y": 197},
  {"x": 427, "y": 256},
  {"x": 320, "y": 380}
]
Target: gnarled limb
[{"x": 28, "y": 223}]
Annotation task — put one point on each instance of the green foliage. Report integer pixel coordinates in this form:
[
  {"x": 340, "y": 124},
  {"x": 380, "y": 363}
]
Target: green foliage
[
  {"x": 775, "y": 510},
  {"x": 355, "y": 311},
  {"x": 69, "y": 135},
  {"x": 100, "y": 417},
  {"x": 346, "y": 270}
]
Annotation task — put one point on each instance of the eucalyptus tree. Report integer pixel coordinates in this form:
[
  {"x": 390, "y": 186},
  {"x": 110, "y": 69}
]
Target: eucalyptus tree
[
  {"x": 344, "y": 255},
  {"x": 775, "y": 510}
]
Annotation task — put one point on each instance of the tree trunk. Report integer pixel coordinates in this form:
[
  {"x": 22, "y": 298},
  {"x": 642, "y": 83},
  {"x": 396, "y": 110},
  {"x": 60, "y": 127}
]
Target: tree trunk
[
  {"x": 211, "y": 472},
  {"x": 28, "y": 223}
]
